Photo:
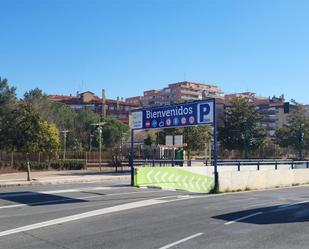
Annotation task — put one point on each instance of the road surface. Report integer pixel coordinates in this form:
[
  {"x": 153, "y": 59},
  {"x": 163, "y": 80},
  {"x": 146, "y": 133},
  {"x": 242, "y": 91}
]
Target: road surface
[{"x": 98, "y": 216}]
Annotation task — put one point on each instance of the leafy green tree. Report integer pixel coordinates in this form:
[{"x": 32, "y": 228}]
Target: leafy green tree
[
  {"x": 8, "y": 103},
  {"x": 296, "y": 132},
  {"x": 7, "y": 96},
  {"x": 196, "y": 137},
  {"x": 83, "y": 126},
  {"x": 167, "y": 132},
  {"x": 29, "y": 132},
  {"x": 50, "y": 137},
  {"x": 39, "y": 101},
  {"x": 113, "y": 131},
  {"x": 63, "y": 116},
  {"x": 59, "y": 113},
  {"x": 240, "y": 129},
  {"x": 148, "y": 140}
]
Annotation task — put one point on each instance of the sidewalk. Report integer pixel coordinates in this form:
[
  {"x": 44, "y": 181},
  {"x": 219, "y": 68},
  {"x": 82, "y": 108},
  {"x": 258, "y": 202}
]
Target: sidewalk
[{"x": 61, "y": 177}]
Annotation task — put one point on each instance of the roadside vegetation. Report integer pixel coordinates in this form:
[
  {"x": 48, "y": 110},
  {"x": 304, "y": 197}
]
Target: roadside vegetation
[{"x": 34, "y": 124}]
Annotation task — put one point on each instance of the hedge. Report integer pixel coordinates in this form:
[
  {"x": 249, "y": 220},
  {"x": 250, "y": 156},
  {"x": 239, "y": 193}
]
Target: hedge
[
  {"x": 59, "y": 165},
  {"x": 68, "y": 165}
]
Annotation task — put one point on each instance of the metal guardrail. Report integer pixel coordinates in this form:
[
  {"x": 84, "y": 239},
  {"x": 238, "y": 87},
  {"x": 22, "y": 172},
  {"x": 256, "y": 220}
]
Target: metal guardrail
[
  {"x": 236, "y": 163},
  {"x": 259, "y": 163}
]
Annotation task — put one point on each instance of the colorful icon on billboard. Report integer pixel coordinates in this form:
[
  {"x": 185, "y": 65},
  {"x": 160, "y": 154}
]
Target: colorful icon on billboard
[
  {"x": 147, "y": 123},
  {"x": 175, "y": 121},
  {"x": 191, "y": 120},
  {"x": 161, "y": 124},
  {"x": 154, "y": 123},
  {"x": 183, "y": 120},
  {"x": 168, "y": 122}
]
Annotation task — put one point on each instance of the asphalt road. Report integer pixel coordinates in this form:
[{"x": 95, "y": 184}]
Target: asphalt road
[{"x": 117, "y": 216}]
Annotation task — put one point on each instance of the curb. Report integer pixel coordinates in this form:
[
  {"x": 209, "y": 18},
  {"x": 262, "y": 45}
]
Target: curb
[
  {"x": 161, "y": 188},
  {"x": 42, "y": 183}
]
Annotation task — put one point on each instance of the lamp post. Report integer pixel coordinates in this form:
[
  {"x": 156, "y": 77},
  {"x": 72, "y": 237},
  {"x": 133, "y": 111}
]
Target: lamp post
[
  {"x": 90, "y": 142},
  {"x": 64, "y": 132},
  {"x": 99, "y": 126}
]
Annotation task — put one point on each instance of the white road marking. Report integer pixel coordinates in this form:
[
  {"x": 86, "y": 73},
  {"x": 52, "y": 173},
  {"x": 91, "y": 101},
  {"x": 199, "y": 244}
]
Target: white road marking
[
  {"x": 48, "y": 202},
  {"x": 69, "y": 199},
  {"x": 242, "y": 218},
  {"x": 93, "y": 213},
  {"x": 168, "y": 188},
  {"x": 292, "y": 204},
  {"x": 54, "y": 191},
  {"x": 181, "y": 241}
]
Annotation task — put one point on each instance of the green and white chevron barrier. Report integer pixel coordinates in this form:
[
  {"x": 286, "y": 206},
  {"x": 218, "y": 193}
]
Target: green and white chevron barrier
[{"x": 182, "y": 178}]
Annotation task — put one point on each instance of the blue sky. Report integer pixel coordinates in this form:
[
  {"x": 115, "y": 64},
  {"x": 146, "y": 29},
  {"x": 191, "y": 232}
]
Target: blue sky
[{"x": 130, "y": 46}]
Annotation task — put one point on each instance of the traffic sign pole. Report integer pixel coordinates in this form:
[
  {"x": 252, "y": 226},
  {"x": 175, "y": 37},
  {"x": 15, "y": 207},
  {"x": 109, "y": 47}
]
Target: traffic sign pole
[
  {"x": 132, "y": 157},
  {"x": 216, "y": 187}
]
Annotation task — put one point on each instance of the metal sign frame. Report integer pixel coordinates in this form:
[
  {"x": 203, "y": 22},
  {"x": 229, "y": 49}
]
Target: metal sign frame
[{"x": 141, "y": 126}]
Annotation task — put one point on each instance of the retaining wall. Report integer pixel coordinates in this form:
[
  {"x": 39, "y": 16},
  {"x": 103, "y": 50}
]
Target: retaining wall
[{"x": 263, "y": 179}]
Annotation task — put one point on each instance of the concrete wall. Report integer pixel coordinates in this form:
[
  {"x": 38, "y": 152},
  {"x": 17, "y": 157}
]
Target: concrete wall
[{"x": 263, "y": 179}]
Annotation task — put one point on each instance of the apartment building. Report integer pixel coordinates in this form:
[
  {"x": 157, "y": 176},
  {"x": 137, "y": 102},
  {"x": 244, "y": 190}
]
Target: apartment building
[
  {"x": 270, "y": 109},
  {"x": 118, "y": 109},
  {"x": 177, "y": 92}
]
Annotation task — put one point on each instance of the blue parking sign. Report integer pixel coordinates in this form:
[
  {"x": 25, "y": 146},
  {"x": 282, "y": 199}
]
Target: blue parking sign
[
  {"x": 205, "y": 113},
  {"x": 177, "y": 115}
]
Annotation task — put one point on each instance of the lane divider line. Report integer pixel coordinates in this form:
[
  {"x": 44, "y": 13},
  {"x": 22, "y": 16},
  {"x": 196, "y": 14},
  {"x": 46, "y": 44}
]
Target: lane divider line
[
  {"x": 181, "y": 241},
  {"x": 243, "y": 218},
  {"x": 293, "y": 204},
  {"x": 103, "y": 211},
  {"x": 71, "y": 200},
  {"x": 54, "y": 191}
]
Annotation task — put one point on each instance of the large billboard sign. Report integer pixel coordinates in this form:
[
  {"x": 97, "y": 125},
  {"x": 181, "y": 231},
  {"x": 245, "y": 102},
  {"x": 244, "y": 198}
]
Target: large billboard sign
[{"x": 179, "y": 115}]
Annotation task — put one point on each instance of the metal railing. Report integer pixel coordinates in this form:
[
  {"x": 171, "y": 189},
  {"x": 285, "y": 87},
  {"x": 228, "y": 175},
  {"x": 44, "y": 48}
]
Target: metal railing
[{"x": 292, "y": 164}]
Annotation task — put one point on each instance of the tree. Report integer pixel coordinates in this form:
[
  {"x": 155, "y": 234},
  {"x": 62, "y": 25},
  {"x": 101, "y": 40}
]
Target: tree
[
  {"x": 8, "y": 103},
  {"x": 50, "y": 137},
  {"x": 148, "y": 140},
  {"x": 296, "y": 132},
  {"x": 196, "y": 137},
  {"x": 240, "y": 129},
  {"x": 7, "y": 97},
  {"x": 29, "y": 132},
  {"x": 113, "y": 131},
  {"x": 59, "y": 113},
  {"x": 83, "y": 127}
]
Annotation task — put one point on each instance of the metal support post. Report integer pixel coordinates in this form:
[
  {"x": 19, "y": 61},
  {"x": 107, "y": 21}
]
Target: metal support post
[
  {"x": 64, "y": 132},
  {"x": 216, "y": 187},
  {"x": 100, "y": 147},
  {"x": 132, "y": 157}
]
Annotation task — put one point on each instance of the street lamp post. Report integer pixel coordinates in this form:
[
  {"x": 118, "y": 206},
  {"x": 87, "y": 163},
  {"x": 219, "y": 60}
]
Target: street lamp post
[
  {"x": 99, "y": 126},
  {"x": 100, "y": 147},
  {"x": 64, "y": 132},
  {"x": 90, "y": 142}
]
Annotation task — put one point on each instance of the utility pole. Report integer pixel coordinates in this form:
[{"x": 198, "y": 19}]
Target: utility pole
[
  {"x": 64, "y": 132},
  {"x": 99, "y": 126}
]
